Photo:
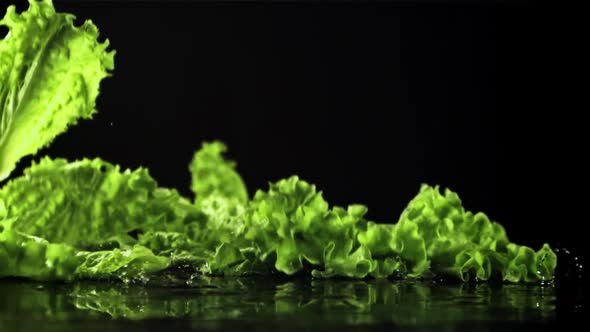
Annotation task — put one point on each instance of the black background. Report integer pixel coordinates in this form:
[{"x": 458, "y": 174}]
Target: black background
[{"x": 366, "y": 100}]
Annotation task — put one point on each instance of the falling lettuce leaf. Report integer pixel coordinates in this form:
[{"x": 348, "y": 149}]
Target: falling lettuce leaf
[
  {"x": 50, "y": 72},
  {"x": 88, "y": 219}
]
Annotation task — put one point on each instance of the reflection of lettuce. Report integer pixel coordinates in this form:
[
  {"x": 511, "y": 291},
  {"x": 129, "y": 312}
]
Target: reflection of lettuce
[
  {"x": 342, "y": 301},
  {"x": 357, "y": 302},
  {"x": 50, "y": 72},
  {"x": 89, "y": 219}
]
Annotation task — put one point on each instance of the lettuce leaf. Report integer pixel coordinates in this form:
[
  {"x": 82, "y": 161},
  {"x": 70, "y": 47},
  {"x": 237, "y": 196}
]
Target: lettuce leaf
[
  {"x": 126, "y": 264},
  {"x": 92, "y": 204},
  {"x": 32, "y": 257},
  {"x": 222, "y": 197},
  {"x": 283, "y": 223},
  {"x": 436, "y": 235},
  {"x": 80, "y": 215},
  {"x": 291, "y": 226},
  {"x": 212, "y": 175},
  {"x": 50, "y": 72}
]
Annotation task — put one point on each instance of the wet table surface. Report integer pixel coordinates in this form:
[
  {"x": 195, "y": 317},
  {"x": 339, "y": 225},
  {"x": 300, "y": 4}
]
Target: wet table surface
[{"x": 204, "y": 303}]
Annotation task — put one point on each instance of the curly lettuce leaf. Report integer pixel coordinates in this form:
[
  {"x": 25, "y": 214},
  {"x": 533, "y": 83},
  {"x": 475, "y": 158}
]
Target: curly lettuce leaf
[
  {"x": 436, "y": 235},
  {"x": 50, "y": 72},
  {"x": 342, "y": 254},
  {"x": 283, "y": 223},
  {"x": 292, "y": 226},
  {"x": 377, "y": 238}
]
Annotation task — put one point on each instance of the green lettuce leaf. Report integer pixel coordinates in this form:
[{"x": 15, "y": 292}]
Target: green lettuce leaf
[
  {"x": 50, "y": 72},
  {"x": 342, "y": 254},
  {"x": 125, "y": 264},
  {"x": 436, "y": 235},
  {"x": 92, "y": 204},
  {"x": 283, "y": 223},
  {"x": 32, "y": 257},
  {"x": 291, "y": 226},
  {"x": 65, "y": 220},
  {"x": 213, "y": 175}
]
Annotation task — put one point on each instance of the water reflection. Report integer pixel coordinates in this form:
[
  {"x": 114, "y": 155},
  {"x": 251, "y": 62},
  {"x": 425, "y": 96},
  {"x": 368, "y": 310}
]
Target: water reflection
[{"x": 324, "y": 301}]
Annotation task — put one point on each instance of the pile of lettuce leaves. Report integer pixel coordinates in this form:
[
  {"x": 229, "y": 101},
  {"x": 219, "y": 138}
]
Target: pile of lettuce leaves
[{"x": 89, "y": 219}]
